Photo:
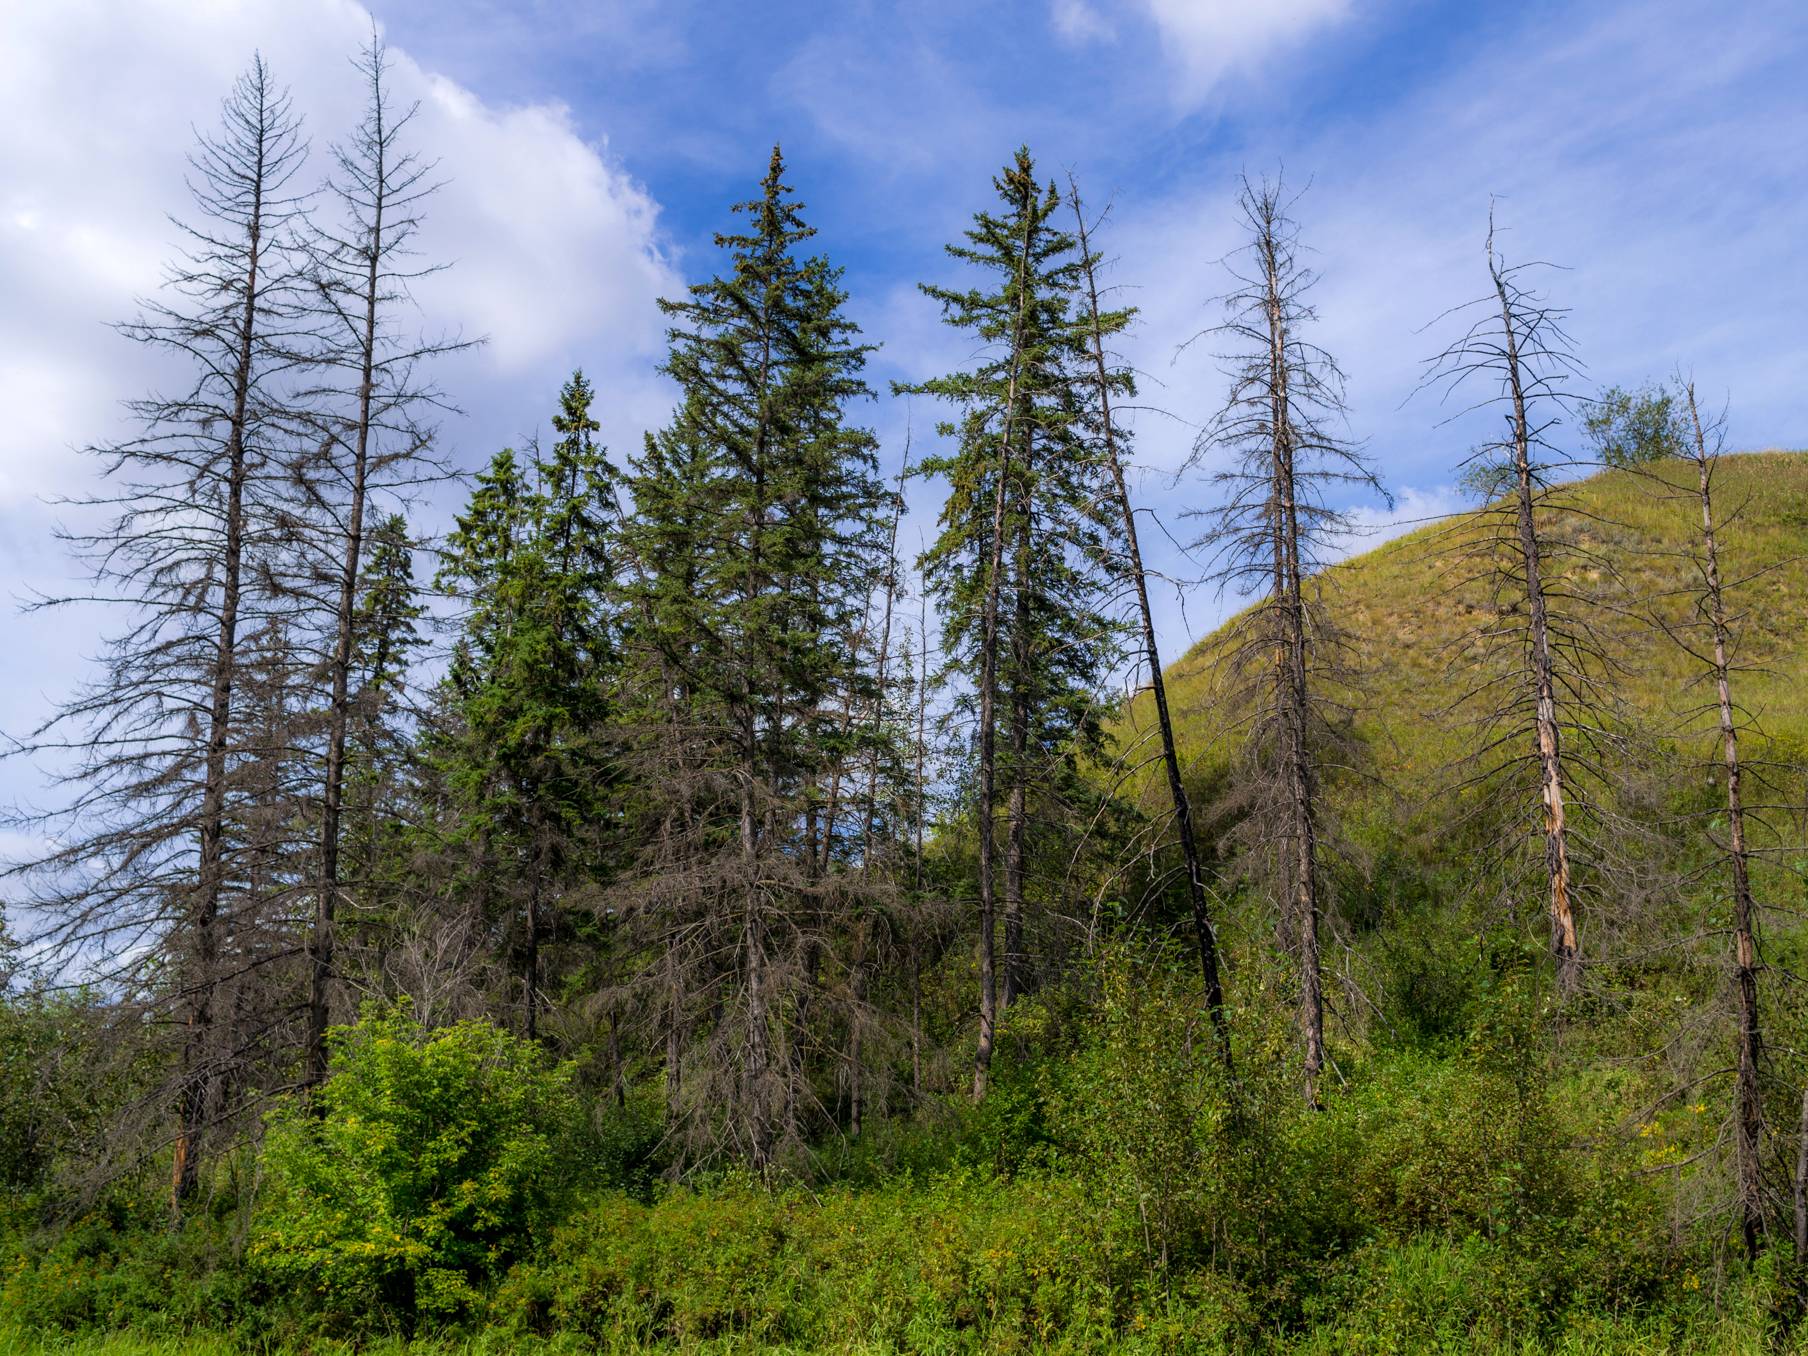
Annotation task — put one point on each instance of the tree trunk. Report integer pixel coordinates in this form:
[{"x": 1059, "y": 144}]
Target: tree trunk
[
  {"x": 530, "y": 960},
  {"x": 1801, "y": 1185},
  {"x": 1565, "y": 951},
  {"x": 326, "y": 890},
  {"x": 857, "y": 1025},
  {"x": 195, "y": 1096},
  {"x": 918, "y": 814},
  {"x": 674, "y": 1040},
  {"x": 753, "y": 959},
  {"x": 916, "y": 1024},
  {"x": 883, "y": 658},
  {"x": 1749, "y": 1112},
  {"x": 1205, "y": 938},
  {"x": 1292, "y": 698},
  {"x": 988, "y": 702},
  {"x": 1017, "y": 806}
]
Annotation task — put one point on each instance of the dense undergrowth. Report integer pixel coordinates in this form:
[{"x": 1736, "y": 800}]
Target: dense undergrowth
[{"x": 1466, "y": 1190}]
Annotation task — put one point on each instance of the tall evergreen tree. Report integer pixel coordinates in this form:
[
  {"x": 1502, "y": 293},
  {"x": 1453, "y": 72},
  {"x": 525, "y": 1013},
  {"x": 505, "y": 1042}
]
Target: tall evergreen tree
[
  {"x": 756, "y": 541},
  {"x": 530, "y": 761},
  {"x": 1019, "y": 569},
  {"x": 382, "y": 767}
]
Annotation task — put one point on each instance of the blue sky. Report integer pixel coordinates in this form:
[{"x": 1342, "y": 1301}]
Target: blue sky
[{"x": 1654, "y": 148}]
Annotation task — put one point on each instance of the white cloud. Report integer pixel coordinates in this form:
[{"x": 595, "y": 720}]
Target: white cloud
[
  {"x": 554, "y": 247},
  {"x": 1207, "y": 40},
  {"x": 555, "y": 253},
  {"x": 1413, "y": 507}
]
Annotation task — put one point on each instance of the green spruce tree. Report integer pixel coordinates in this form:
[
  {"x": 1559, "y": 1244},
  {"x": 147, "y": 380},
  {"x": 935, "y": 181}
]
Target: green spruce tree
[
  {"x": 1020, "y": 570},
  {"x": 530, "y": 760},
  {"x": 757, "y": 540},
  {"x": 382, "y": 790}
]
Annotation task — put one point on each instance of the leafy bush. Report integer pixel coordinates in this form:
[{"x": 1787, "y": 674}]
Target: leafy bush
[
  {"x": 1631, "y": 428},
  {"x": 49, "y": 1101},
  {"x": 418, "y": 1174},
  {"x": 1145, "y": 1112}
]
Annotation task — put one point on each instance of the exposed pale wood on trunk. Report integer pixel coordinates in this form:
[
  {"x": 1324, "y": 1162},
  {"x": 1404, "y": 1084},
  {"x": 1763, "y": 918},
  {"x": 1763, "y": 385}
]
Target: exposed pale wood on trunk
[{"x": 1565, "y": 951}]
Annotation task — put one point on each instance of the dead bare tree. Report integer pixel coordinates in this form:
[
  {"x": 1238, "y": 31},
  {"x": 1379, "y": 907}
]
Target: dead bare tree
[
  {"x": 1517, "y": 347},
  {"x": 1701, "y": 448},
  {"x": 368, "y": 414},
  {"x": 1279, "y": 425},
  {"x": 142, "y": 891},
  {"x": 1099, "y": 326}
]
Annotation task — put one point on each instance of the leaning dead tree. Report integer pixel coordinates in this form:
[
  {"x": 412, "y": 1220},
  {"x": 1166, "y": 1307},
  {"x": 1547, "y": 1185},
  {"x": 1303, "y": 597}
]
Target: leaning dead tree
[
  {"x": 1279, "y": 429},
  {"x": 155, "y": 882},
  {"x": 1545, "y": 657},
  {"x": 368, "y": 414},
  {"x": 1099, "y": 327}
]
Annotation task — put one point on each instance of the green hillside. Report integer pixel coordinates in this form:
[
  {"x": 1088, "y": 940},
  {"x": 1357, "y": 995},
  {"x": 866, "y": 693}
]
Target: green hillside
[{"x": 1410, "y": 607}]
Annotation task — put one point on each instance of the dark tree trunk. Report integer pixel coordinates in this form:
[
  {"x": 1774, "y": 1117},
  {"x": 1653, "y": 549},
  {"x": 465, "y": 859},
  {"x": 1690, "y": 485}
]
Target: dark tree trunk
[
  {"x": 530, "y": 958},
  {"x": 1204, "y": 936},
  {"x": 1016, "y": 963},
  {"x": 326, "y": 889},
  {"x": 988, "y": 702},
  {"x": 1291, "y": 695},
  {"x": 196, "y": 1091}
]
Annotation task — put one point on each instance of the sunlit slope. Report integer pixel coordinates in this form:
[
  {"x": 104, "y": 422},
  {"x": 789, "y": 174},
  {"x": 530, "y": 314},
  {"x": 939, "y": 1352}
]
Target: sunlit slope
[{"x": 1409, "y": 609}]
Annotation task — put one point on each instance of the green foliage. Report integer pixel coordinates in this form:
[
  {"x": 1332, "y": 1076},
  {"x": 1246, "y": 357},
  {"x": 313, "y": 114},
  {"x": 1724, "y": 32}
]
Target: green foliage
[
  {"x": 1144, "y": 1107},
  {"x": 118, "y": 1265},
  {"x": 757, "y": 538},
  {"x": 1023, "y": 415},
  {"x": 961, "y": 1264},
  {"x": 418, "y": 1174},
  {"x": 1459, "y": 1196},
  {"x": 1634, "y": 428},
  {"x": 52, "y": 1097},
  {"x": 758, "y": 509},
  {"x": 530, "y": 680}
]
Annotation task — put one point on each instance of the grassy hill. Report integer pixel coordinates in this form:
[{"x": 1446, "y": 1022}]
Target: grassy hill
[{"x": 1411, "y": 607}]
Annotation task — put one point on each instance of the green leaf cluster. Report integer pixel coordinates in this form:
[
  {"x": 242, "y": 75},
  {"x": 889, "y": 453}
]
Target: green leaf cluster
[{"x": 420, "y": 1171}]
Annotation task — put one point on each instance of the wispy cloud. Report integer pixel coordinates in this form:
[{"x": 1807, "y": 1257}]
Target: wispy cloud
[
  {"x": 1206, "y": 40},
  {"x": 1080, "y": 22}
]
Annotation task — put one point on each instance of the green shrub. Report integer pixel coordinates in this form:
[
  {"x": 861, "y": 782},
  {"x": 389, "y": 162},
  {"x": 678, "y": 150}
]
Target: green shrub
[
  {"x": 119, "y": 1266},
  {"x": 962, "y": 1263},
  {"x": 55, "y": 1088},
  {"x": 1144, "y": 1112},
  {"x": 418, "y": 1174}
]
